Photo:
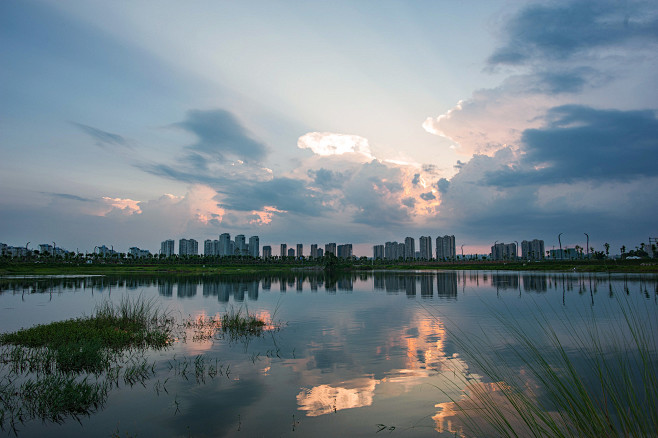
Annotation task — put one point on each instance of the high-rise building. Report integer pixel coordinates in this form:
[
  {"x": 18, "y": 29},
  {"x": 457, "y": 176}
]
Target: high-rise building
[
  {"x": 254, "y": 246},
  {"x": 314, "y": 250},
  {"x": 240, "y": 245},
  {"x": 167, "y": 248},
  {"x": 267, "y": 252},
  {"x": 378, "y": 252},
  {"x": 391, "y": 251},
  {"x": 320, "y": 253},
  {"x": 401, "y": 250},
  {"x": 502, "y": 251},
  {"x": 284, "y": 250},
  {"x": 330, "y": 248},
  {"x": 344, "y": 251},
  {"x": 425, "y": 243},
  {"x": 300, "y": 250},
  {"x": 409, "y": 248},
  {"x": 210, "y": 247},
  {"x": 533, "y": 250},
  {"x": 445, "y": 248},
  {"x": 291, "y": 252},
  {"x": 225, "y": 244},
  {"x": 188, "y": 247},
  {"x": 139, "y": 253}
]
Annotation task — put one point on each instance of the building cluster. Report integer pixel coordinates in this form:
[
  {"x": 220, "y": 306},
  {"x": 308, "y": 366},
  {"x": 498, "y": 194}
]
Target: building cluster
[
  {"x": 341, "y": 251},
  {"x": 223, "y": 246},
  {"x": 530, "y": 250},
  {"x": 445, "y": 249}
]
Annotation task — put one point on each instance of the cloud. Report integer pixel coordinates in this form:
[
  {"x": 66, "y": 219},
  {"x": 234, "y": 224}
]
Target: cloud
[
  {"x": 583, "y": 143},
  {"x": 328, "y": 143},
  {"x": 128, "y": 206},
  {"x": 558, "y": 31},
  {"x": 68, "y": 196},
  {"x": 220, "y": 137},
  {"x": 103, "y": 138},
  {"x": 427, "y": 196},
  {"x": 327, "y": 179}
]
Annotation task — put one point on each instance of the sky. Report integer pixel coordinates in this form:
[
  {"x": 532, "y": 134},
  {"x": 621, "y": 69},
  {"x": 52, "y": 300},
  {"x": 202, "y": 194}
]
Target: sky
[{"x": 126, "y": 123}]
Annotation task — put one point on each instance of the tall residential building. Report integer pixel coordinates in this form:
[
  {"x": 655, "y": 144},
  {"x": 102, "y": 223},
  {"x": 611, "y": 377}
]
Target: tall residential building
[
  {"x": 167, "y": 248},
  {"x": 445, "y": 248},
  {"x": 320, "y": 253},
  {"x": 225, "y": 244},
  {"x": 267, "y": 252},
  {"x": 502, "y": 251},
  {"x": 409, "y": 248},
  {"x": 378, "y": 252},
  {"x": 401, "y": 250},
  {"x": 344, "y": 251},
  {"x": 254, "y": 246},
  {"x": 314, "y": 250},
  {"x": 284, "y": 250},
  {"x": 391, "y": 250},
  {"x": 330, "y": 248},
  {"x": 211, "y": 247},
  {"x": 300, "y": 250},
  {"x": 240, "y": 245},
  {"x": 425, "y": 243},
  {"x": 188, "y": 247},
  {"x": 533, "y": 250},
  {"x": 291, "y": 252}
]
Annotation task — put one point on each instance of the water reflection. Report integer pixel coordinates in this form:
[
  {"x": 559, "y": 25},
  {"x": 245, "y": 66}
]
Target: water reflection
[
  {"x": 240, "y": 287},
  {"x": 360, "y": 339}
]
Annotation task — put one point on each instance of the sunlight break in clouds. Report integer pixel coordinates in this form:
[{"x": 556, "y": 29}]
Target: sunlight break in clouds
[
  {"x": 328, "y": 143},
  {"x": 264, "y": 216},
  {"x": 129, "y": 206}
]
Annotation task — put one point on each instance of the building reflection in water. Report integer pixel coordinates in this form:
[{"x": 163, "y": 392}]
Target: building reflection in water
[{"x": 447, "y": 283}]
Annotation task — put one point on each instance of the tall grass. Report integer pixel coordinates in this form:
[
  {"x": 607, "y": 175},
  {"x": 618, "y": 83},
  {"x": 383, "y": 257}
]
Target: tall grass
[{"x": 581, "y": 379}]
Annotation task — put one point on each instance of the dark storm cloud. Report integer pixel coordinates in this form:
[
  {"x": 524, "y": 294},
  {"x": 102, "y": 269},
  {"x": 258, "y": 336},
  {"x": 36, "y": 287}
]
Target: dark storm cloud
[
  {"x": 327, "y": 179},
  {"x": 560, "y": 31},
  {"x": 102, "y": 138},
  {"x": 219, "y": 134},
  {"x": 283, "y": 193},
  {"x": 242, "y": 194},
  {"x": 409, "y": 202},
  {"x": 582, "y": 143},
  {"x": 68, "y": 196},
  {"x": 427, "y": 196},
  {"x": 442, "y": 185}
]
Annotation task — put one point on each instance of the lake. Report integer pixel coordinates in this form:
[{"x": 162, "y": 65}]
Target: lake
[{"x": 357, "y": 354}]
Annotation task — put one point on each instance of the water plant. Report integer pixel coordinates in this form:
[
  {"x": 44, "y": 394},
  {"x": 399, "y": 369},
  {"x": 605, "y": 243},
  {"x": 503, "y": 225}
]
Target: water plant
[{"x": 597, "y": 378}]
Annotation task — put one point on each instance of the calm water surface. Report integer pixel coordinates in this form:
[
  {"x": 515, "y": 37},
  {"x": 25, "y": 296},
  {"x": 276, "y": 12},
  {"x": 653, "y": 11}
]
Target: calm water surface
[{"x": 353, "y": 354}]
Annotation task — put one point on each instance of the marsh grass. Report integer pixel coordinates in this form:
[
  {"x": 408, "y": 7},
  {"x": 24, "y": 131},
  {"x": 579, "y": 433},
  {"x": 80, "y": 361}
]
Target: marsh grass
[
  {"x": 594, "y": 380},
  {"x": 65, "y": 369}
]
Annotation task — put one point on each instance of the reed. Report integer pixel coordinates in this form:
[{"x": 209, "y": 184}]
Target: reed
[{"x": 595, "y": 379}]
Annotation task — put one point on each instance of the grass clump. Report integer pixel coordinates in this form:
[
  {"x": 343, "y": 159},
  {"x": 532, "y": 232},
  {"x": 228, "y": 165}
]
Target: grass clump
[
  {"x": 66, "y": 368},
  {"x": 87, "y": 344},
  {"x": 593, "y": 380},
  {"x": 237, "y": 324}
]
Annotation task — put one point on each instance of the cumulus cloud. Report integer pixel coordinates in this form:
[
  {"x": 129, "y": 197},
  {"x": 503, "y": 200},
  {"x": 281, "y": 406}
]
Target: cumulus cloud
[
  {"x": 220, "y": 136},
  {"x": 558, "y": 31},
  {"x": 103, "y": 138},
  {"x": 328, "y": 143},
  {"x": 583, "y": 143}
]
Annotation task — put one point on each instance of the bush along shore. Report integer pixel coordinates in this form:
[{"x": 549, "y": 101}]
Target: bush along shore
[{"x": 66, "y": 369}]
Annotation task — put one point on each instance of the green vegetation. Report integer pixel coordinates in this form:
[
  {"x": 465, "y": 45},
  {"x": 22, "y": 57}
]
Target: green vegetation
[
  {"x": 66, "y": 369},
  {"x": 597, "y": 381}
]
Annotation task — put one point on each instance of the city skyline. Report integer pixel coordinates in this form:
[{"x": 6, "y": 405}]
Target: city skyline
[{"x": 494, "y": 121}]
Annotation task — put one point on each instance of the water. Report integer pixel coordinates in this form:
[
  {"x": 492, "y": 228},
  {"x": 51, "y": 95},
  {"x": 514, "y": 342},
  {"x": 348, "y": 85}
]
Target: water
[{"x": 353, "y": 354}]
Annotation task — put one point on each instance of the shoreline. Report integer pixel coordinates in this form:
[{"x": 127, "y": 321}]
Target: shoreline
[{"x": 612, "y": 266}]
